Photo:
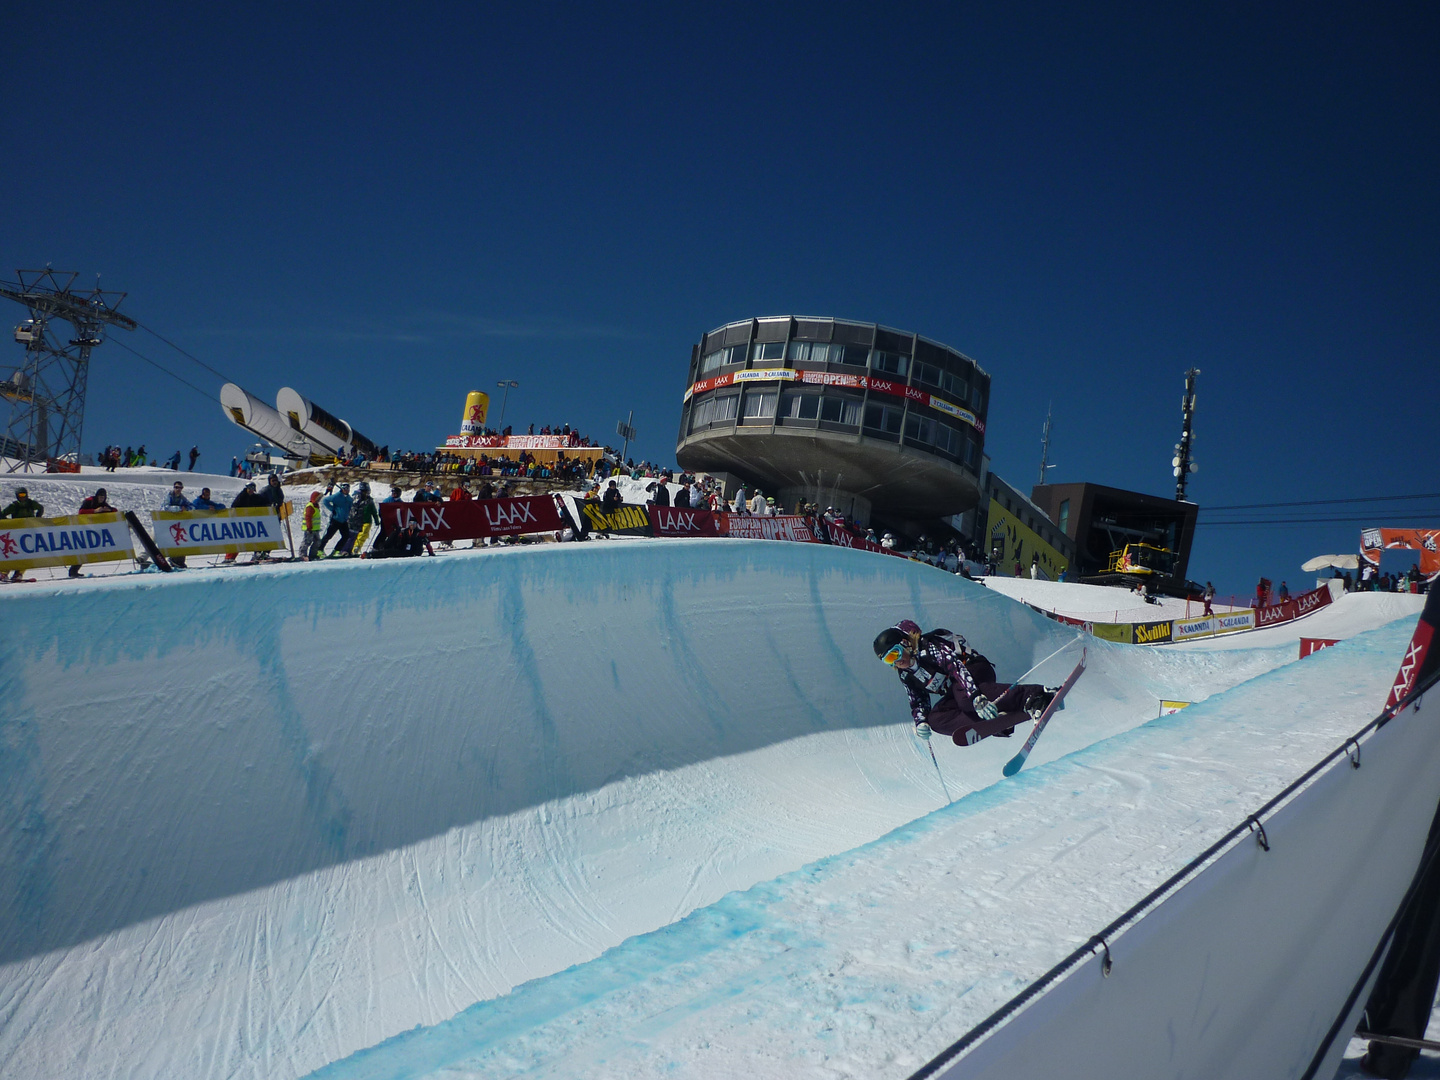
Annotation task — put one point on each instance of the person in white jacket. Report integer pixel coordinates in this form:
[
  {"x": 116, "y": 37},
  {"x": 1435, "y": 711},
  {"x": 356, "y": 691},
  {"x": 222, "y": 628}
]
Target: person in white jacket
[{"x": 757, "y": 503}]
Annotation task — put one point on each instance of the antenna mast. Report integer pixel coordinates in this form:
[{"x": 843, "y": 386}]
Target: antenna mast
[
  {"x": 47, "y": 394},
  {"x": 1045, "y": 465},
  {"x": 1182, "y": 463}
]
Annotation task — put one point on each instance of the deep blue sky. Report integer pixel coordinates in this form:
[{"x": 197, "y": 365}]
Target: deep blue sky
[{"x": 386, "y": 209}]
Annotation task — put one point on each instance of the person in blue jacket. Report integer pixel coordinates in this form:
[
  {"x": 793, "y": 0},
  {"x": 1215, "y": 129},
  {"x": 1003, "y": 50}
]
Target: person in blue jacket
[{"x": 337, "y": 504}]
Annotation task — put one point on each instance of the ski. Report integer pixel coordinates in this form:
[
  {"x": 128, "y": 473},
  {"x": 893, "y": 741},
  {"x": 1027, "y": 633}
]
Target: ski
[{"x": 1015, "y": 764}]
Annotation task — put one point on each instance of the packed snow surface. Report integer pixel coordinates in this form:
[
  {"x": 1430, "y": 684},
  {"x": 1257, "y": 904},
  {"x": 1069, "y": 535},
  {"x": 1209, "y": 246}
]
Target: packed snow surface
[{"x": 601, "y": 809}]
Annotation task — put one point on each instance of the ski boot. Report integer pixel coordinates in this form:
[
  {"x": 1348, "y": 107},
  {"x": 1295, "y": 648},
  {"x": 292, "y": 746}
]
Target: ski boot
[{"x": 1037, "y": 701}]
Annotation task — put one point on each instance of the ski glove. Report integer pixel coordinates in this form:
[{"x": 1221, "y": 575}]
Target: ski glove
[
  {"x": 922, "y": 729},
  {"x": 984, "y": 707}
]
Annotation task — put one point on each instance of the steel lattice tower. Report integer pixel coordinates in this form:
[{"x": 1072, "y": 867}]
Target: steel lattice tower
[{"x": 47, "y": 394}]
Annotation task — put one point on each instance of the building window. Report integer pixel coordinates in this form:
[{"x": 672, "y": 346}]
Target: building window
[
  {"x": 760, "y": 404},
  {"x": 919, "y": 429},
  {"x": 799, "y": 351},
  {"x": 891, "y": 362},
  {"x": 929, "y": 374},
  {"x": 799, "y": 406},
  {"x": 768, "y": 350},
  {"x": 734, "y": 354},
  {"x": 1064, "y": 522},
  {"x": 838, "y": 410},
  {"x": 886, "y": 418}
]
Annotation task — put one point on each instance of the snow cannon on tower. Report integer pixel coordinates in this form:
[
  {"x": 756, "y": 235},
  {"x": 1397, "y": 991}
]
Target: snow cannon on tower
[
  {"x": 320, "y": 427},
  {"x": 247, "y": 411}
]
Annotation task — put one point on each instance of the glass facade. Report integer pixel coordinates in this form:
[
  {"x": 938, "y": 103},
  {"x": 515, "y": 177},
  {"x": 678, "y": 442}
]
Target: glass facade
[{"x": 848, "y": 349}]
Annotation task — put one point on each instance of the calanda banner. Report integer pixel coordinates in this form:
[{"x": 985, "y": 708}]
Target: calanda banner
[
  {"x": 72, "y": 540},
  {"x": 216, "y": 532},
  {"x": 476, "y": 519},
  {"x": 1425, "y": 541}
]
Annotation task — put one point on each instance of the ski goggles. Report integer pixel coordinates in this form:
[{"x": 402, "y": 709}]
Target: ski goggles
[{"x": 895, "y": 653}]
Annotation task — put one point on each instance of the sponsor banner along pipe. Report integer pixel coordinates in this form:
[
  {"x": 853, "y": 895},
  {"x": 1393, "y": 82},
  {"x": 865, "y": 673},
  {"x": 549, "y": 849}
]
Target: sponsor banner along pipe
[
  {"x": 70, "y": 540},
  {"x": 1421, "y": 657},
  {"x": 1310, "y": 645},
  {"x": 216, "y": 532},
  {"x": 627, "y": 519},
  {"x": 1292, "y": 609},
  {"x": 680, "y": 521},
  {"x": 888, "y": 387},
  {"x": 475, "y": 520}
]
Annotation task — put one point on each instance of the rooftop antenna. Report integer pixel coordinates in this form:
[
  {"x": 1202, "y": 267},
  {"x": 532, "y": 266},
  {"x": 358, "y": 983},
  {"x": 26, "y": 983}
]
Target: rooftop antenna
[
  {"x": 47, "y": 393},
  {"x": 1181, "y": 462},
  {"x": 1045, "y": 465}
]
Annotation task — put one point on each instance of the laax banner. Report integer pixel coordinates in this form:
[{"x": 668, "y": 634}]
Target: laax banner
[
  {"x": 840, "y": 536},
  {"x": 72, "y": 540},
  {"x": 216, "y": 532},
  {"x": 1292, "y": 609},
  {"x": 678, "y": 521},
  {"x": 477, "y": 519}
]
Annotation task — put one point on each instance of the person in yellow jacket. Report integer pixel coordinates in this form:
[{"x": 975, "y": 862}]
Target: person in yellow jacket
[{"x": 313, "y": 520}]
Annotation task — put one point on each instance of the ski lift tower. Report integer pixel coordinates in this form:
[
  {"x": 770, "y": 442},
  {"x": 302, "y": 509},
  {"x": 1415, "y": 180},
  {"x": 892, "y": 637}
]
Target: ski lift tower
[{"x": 47, "y": 393}]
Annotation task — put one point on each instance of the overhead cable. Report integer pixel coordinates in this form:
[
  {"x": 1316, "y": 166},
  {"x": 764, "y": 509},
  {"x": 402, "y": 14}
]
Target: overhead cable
[{"x": 178, "y": 378}]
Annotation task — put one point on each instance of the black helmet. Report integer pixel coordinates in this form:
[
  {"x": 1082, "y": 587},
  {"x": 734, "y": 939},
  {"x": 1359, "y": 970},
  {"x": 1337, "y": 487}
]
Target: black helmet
[{"x": 888, "y": 638}]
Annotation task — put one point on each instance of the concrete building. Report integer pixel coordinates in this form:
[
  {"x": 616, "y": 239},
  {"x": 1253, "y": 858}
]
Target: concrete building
[
  {"x": 881, "y": 423},
  {"x": 1102, "y": 521}
]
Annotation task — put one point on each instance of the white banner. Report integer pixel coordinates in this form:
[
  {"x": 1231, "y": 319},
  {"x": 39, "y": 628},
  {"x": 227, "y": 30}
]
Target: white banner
[
  {"x": 217, "y": 532},
  {"x": 1185, "y": 629},
  {"x": 1244, "y": 969},
  {"x": 1231, "y": 621},
  {"x": 63, "y": 541}
]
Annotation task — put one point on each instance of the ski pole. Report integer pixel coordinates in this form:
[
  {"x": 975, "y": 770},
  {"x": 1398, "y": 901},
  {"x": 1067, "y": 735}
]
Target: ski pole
[
  {"x": 1052, "y": 656},
  {"x": 938, "y": 772}
]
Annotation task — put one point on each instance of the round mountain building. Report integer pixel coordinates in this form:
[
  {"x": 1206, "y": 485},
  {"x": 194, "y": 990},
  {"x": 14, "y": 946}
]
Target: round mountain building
[{"x": 882, "y": 424}]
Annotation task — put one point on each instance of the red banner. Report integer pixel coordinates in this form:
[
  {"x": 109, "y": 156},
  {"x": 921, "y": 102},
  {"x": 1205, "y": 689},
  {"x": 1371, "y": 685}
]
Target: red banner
[
  {"x": 888, "y": 387},
  {"x": 1310, "y": 645},
  {"x": 1293, "y": 608},
  {"x": 779, "y": 527},
  {"x": 840, "y": 536},
  {"x": 476, "y": 519},
  {"x": 511, "y": 442},
  {"x": 679, "y": 521},
  {"x": 1425, "y": 541}
]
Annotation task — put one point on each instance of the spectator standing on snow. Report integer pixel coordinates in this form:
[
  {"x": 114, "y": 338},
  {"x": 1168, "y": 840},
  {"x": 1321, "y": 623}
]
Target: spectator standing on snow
[
  {"x": 194, "y": 457},
  {"x": 757, "y": 502},
  {"x": 174, "y": 461},
  {"x": 176, "y": 500},
  {"x": 682, "y": 498},
  {"x": 234, "y": 466},
  {"x": 364, "y": 515},
  {"x": 22, "y": 507},
  {"x": 310, "y": 521},
  {"x": 99, "y": 503},
  {"x": 1284, "y": 593},
  {"x": 1209, "y": 597},
  {"x": 204, "y": 502},
  {"x": 337, "y": 504}
]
